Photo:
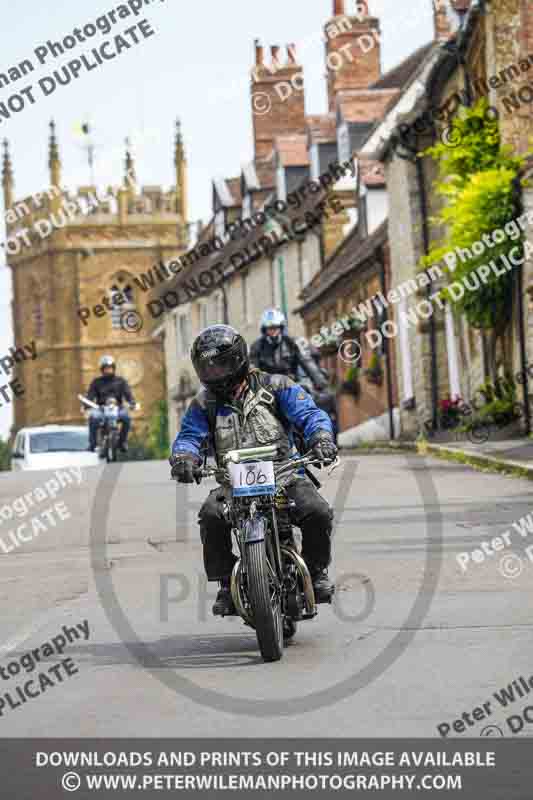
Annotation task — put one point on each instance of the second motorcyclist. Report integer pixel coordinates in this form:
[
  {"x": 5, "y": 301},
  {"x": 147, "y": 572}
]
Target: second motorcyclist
[
  {"x": 277, "y": 353},
  {"x": 109, "y": 385},
  {"x": 242, "y": 407}
]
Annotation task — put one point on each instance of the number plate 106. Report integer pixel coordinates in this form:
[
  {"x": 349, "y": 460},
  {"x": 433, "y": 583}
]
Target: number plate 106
[{"x": 255, "y": 478}]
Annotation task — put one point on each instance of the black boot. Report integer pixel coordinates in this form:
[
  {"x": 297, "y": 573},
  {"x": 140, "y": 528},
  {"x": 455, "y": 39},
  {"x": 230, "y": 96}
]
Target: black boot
[
  {"x": 223, "y": 605},
  {"x": 323, "y": 587}
]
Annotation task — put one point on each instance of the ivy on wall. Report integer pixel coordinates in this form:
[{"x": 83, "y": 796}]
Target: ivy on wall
[{"x": 477, "y": 181}]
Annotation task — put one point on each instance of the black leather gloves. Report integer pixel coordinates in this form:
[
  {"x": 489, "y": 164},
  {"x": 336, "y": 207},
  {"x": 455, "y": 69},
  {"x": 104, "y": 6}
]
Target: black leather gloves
[
  {"x": 323, "y": 447},
  {"x": 185, "y": 468}
]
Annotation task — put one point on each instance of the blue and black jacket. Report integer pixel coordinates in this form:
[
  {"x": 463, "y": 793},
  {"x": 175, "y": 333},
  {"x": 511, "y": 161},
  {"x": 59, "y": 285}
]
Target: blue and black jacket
[{"x": 292, "y": 406}]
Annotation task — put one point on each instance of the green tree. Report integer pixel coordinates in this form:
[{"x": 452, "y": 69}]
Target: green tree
[
  {"x": 5, "y": 456},
  {"x": 155, "y": 445}
]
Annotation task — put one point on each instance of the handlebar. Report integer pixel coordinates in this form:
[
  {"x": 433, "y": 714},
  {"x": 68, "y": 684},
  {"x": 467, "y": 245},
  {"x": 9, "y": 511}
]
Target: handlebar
[{"x": 296, "y": 463}]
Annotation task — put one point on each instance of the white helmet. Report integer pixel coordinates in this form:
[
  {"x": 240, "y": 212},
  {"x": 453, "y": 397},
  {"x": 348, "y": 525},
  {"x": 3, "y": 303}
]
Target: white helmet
[
  {"x": 107, "y": 361},
  {"x": 273, "y": 318}
]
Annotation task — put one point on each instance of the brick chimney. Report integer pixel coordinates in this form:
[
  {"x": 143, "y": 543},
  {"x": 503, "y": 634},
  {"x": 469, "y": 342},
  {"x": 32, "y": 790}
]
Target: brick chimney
[
  {"x": 277, "y": 95},
  {"x": 445, "y": 17},
  {"x": 353, "y": 50}
]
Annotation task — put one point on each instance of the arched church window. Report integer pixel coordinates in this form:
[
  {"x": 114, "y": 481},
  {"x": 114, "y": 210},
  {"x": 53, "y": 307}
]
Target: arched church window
[{"x": 122, "y": 299}]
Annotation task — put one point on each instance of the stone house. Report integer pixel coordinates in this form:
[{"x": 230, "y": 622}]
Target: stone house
[{"x": 443, "y": 355}]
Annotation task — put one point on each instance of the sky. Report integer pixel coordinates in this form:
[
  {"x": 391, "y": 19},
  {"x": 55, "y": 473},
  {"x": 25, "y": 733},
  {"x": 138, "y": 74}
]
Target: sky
[{"x": 196, "y": 66}]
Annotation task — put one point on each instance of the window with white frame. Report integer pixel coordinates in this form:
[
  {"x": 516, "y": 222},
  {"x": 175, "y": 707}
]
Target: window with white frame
[
  {"x": 220, "y": 223},
  {"x": 203, "y": 314},
  {"x": 246, "y": 305},
  {"x": 315, "y": 162},
  {"x": 247, "y": 209},
  {"x": 217, "y": 308},
  {"x": 183, "y": 333},
  {"x": 281, "y": 184},
  {"x": 274, "y": 282},
  {"x": 343, "y": 142}
]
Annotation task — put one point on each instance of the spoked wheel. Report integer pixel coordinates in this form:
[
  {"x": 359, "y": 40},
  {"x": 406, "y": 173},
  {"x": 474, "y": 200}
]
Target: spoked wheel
[
  {"x": 264, "y": 593},
  {"x": 113, "y": 446}
]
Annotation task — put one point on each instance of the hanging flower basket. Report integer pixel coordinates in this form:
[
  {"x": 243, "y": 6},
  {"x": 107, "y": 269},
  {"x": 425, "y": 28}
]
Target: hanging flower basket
[
  {"x": 374, "y": 371},
  {"x": 351, "y": 384}
]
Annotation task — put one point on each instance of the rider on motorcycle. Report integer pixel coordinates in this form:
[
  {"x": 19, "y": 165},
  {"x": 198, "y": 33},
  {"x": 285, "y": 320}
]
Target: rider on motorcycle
[
  {"x": 109, "y": 385},
  {"x": 239, "y": 406},
  {"x": 275, "y": 352}
]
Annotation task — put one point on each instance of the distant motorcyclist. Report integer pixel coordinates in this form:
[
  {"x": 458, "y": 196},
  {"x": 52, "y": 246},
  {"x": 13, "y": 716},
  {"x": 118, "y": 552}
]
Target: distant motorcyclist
[
  {"x": 242, "y": 407},
  {"x": 275, "y": 352},
  {"x": 106, "y": 386}
]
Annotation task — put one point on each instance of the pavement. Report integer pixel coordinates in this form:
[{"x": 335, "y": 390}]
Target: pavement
[
  {"x": 412, "y": 642},
  {"x": 515, "y": 454}
]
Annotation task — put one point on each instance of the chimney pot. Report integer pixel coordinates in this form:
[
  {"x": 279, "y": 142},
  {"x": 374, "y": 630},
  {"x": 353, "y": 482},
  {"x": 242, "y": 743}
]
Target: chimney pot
[
  {"x": 275, "y": 53},
  {"x": 291, "y": 52},
  {"x": 338, "y": 8},
  {"x": 259, "y": 53}
]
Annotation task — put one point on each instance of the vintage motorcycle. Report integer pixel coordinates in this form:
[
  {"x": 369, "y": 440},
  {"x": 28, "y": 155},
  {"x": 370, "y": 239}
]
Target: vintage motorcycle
[
  {"x": 271, "y": 585},
  {"x": 108, "y": 430}
]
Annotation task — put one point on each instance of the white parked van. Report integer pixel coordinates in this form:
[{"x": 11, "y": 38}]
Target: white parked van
[{"x": 52, "y": 447}]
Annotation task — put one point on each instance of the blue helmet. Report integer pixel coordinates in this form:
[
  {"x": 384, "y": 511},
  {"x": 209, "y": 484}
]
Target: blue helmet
[{"x": 273, "y": 318}]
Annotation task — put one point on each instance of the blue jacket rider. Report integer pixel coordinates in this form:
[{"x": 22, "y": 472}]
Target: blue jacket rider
[{"x": 242, "y": 407}]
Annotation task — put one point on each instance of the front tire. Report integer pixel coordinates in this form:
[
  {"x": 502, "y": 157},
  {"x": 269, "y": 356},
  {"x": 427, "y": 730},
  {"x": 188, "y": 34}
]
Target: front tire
[{"x": 264, "y": 593}]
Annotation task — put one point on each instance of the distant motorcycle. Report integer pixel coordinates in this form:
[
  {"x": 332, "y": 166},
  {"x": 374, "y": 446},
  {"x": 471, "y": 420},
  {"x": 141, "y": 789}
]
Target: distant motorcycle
[
  {"x": 271, "y": 585},
  {"x": 108, "y": 433}
]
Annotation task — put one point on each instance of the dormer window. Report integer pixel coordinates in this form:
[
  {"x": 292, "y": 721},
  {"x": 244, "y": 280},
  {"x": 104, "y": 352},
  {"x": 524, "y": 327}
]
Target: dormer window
[
  {"x": 220, "y": 223},
  {"x": 343, "y": 142},
  {"x": 247, "y": 209},
  {"x": 281, "y": 183}
]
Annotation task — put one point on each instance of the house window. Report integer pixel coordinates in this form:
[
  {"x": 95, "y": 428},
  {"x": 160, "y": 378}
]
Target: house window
[
  {"x": 203, "y": 314},
  {"x": 220, "y": 223},
  {"x": 304, "y": 269},
  {"x": 405, "y": 353},
  {"x": 217, "y": 302},
  {"x": 245, "y": 287},
  {"x": 38, "y": 319},
  {"x": 183, "y": 333},
  {"x": 247, "y": 206},
  {"x": 274, "y": 283},
  {"x": 315, "y": 162},
  {"x": 343, "y": 142},
  {"x": 281, "y": 184}
]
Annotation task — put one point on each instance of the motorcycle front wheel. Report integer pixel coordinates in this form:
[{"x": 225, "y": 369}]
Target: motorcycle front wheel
[{"x": 264, "y": 593}]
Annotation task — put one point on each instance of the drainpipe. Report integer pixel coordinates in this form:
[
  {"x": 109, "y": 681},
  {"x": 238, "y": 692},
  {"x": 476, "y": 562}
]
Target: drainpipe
[
  {"x": 410, "y": 154},
  {"x": 432, "y": 327},
  {"x": 521, "y": 331},
  {"x": 386, "y": 348}
]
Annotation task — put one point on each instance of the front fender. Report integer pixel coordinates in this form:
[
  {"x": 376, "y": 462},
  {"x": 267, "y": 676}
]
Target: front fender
[{"x": 255, "y": 530}]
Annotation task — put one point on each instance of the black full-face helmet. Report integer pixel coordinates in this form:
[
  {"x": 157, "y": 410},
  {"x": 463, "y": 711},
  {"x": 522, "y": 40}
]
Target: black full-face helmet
[{"x": 219, "y": 356}]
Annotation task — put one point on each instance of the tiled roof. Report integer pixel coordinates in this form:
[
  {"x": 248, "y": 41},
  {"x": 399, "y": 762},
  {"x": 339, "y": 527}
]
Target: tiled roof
[
  {"x": 355, "y": 106},
  {"x": 398, "y": 76},
  {"x": 233, "y": 247},
  {"x": 353, "y": 252}
]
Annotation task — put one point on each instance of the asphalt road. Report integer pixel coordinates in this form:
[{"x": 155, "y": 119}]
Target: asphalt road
[{"x": 411, "y": 643}]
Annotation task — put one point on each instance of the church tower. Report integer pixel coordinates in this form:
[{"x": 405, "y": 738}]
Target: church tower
[{"x": 74, "y": 258}]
